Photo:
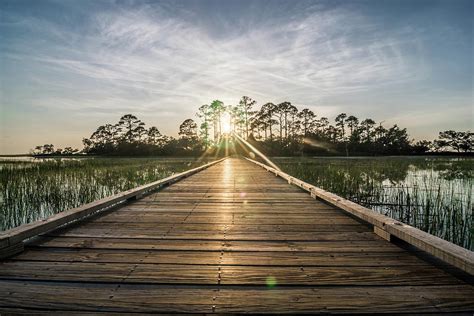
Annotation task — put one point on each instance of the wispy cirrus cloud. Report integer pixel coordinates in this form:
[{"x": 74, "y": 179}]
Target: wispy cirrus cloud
[{"x": 304, "y": 58}]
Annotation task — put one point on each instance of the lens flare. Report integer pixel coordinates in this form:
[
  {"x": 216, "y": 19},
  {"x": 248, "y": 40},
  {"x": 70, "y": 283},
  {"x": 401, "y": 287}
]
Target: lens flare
[
  {"x": 256, "y": 151},
  {"x": 271, "y": 281}
]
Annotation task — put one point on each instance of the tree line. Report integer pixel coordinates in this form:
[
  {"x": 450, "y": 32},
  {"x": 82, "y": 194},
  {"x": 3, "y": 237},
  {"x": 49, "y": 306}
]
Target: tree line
[
  {"x": 130, "y": 137},
  {"x": 283, "y": 129},
  {"x": 276, "y": 129}
]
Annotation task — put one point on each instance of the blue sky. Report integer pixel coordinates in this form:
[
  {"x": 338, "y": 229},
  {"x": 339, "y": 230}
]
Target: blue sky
[{"x": 68, "y": 66}]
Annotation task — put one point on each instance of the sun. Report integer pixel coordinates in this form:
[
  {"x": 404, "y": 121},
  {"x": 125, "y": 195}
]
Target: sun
[{"x": 225, "y": 121}]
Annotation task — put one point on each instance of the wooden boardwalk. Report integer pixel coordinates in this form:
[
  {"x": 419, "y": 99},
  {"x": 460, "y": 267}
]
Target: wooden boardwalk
[{"x": 232, "y": 238}]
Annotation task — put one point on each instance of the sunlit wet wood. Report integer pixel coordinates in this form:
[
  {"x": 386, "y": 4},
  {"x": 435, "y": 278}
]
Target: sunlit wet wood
[{"x": 230, "y": 239}]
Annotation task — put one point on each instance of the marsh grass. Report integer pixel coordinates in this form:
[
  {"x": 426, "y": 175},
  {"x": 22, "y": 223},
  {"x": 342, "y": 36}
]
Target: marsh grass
[
  {"x": 432, "y": 194},
  {"x": 35, "y": 189}
]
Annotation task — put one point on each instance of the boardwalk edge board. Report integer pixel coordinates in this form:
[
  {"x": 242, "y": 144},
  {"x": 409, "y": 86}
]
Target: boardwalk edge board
[
  {"x": 11, "y": 241},
  {"x": 386, "y": 227}
]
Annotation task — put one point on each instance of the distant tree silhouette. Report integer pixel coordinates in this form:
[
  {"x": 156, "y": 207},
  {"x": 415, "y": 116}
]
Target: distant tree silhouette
[
  {"x": 188, "y": 129},
  {"x": 189, "y": 140},
  {"x": 459, "y": 141},
  {"x": 130, "y": 128},
  {"x": 340, "y": 123},
  {"x": 204, "y": 113},
  {"x": 46, "y": 149},
  {"x": 352, "y": 122},
  {"x": 69, "y": 151},
  {"x": 366, "y": 127},
  {"x": 421, "y": 146},
  {"x": 217, "y": 108},
  {"x": 292, "y": 125},
  {"x": 275, "y": 129},
  {"x": 245, "y": 105},
  {"x": 307, "y": 120},
  {"x": 267, "y": 115},
  {"x": 154, "y": 137},
  {"x": 279, "y": 113}
]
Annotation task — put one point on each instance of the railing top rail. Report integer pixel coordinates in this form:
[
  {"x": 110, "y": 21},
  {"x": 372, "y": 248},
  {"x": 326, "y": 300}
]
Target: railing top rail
[{"x": 453, "y": 254}]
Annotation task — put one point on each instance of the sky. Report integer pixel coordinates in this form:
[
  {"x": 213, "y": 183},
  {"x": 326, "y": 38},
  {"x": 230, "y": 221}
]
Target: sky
[{"x": 67, "y": 67}]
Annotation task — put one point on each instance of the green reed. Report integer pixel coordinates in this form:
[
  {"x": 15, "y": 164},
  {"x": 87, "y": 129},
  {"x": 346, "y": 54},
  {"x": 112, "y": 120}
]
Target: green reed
[
  {"x": 36, "y": 189},
  {"x": 432, "y": 194}
]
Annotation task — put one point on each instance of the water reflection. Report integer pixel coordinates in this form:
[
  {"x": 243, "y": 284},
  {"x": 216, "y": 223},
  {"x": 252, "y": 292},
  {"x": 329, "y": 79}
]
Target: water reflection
[{"x": 433, "y": 194}]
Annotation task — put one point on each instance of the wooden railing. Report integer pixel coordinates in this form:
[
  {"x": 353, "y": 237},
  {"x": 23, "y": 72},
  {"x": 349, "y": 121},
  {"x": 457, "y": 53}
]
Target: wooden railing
[
  {"x": 387, "y": 227},
  {"x": 11, "y": 241}
]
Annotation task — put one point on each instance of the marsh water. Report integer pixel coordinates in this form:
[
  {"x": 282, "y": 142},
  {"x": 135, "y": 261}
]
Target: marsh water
[
  {"x": 430, "y": 193},
  {"x": 433, "y": 194}
]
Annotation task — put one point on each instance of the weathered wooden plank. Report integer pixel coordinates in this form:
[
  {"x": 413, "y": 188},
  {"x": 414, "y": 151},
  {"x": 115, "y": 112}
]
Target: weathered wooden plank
[
  {"x": 167, "y": 299},
  {"x": 274, "y": 236},
  {"x": 299, "y": 197},
  {"x": 292, "y": 228},
  {"x": 221, "y": 212},
  {"x": 236, "y": 228},
  {"x": 137, "y": 232},
  {"x": 129, "y": 243},
  {"x": 227, "y": 217},
  {"x": 400, "y": 299},
  {"x": 280, "y": 258},
  {"x": 283, "y": 203},
  {"x": 11, "y": 250},
  {"x": 349, "y": 276},
  {"x": 110, "y": 272},
  {"x": 227, "y": 275},
  {"x": 204, "y": 188},
  {"x": 105, "y": 297},
  {"x": 208, "y": 245},
  {"x": 225, "y": 209},
  {"x": 151, "y": 219},
  {"x": 206, "y": 209}
]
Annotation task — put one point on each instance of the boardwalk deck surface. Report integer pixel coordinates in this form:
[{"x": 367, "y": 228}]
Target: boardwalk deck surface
[{"x": 230, "y": 239}]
